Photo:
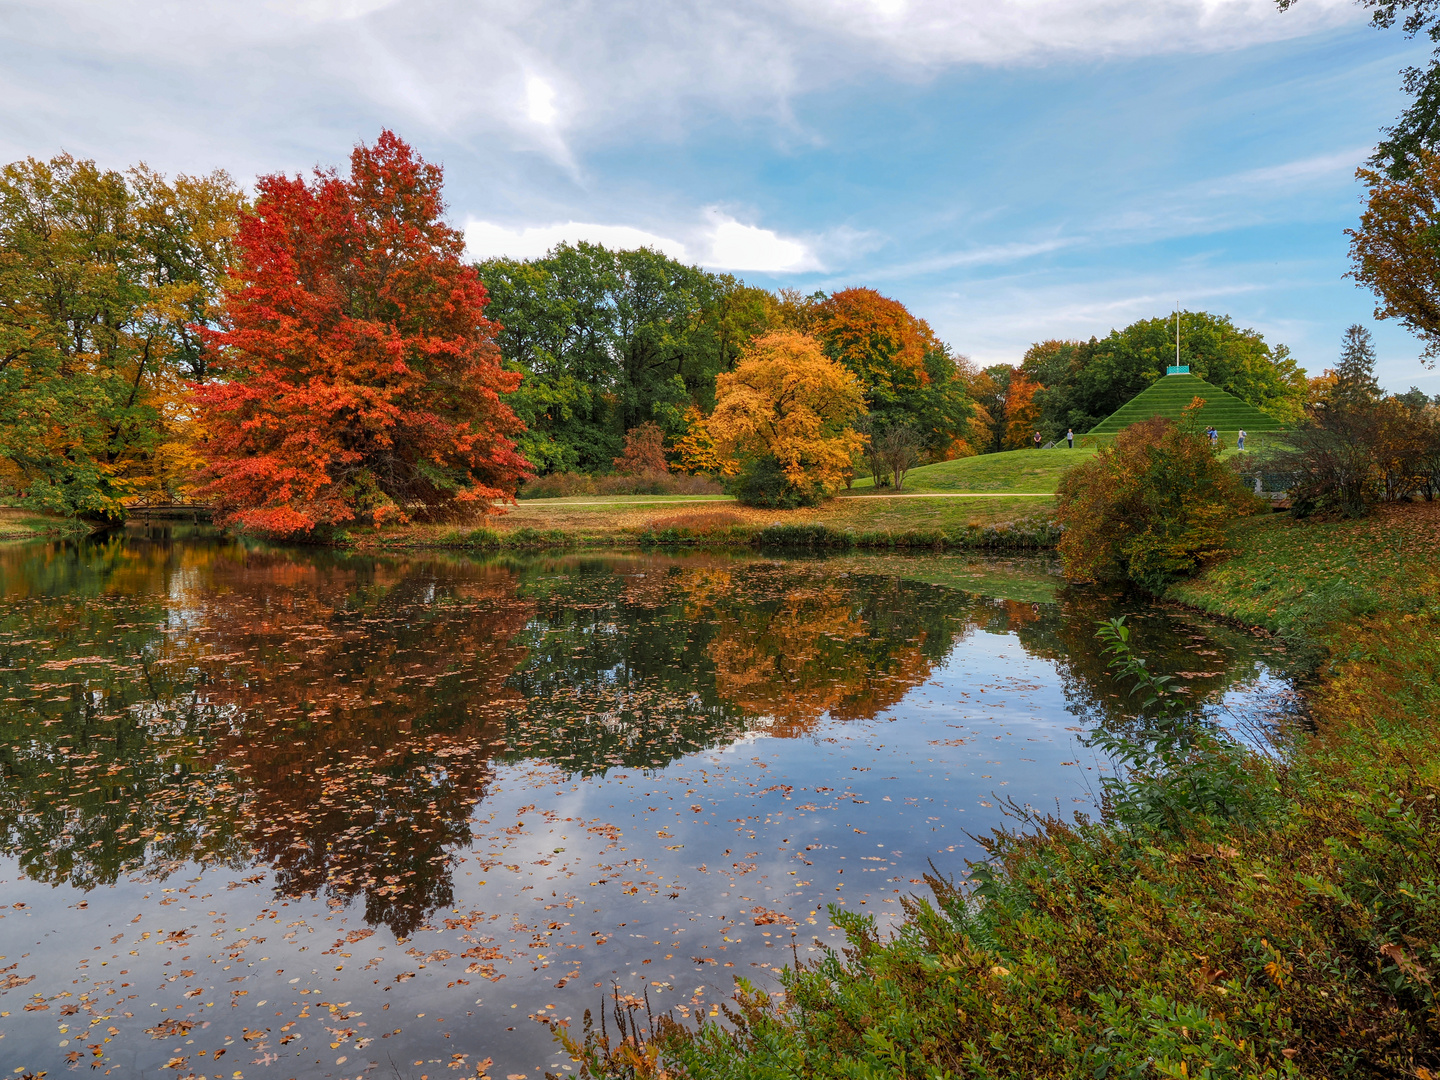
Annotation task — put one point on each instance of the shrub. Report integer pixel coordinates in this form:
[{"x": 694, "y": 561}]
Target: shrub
[
  {"x": 804, "y": 535},
  {"x": 763, "y": 482},
  {"x": 644, "y": 453},
  {"x": 1329, "y": 463},
  {"x": 1150, "y": 509},
  {"x": 1352, "y": 454}
]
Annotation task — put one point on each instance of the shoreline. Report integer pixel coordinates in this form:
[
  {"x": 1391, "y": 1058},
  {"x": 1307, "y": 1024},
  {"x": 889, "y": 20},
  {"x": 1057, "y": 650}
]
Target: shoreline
[{"x": 1232, "y": 912}]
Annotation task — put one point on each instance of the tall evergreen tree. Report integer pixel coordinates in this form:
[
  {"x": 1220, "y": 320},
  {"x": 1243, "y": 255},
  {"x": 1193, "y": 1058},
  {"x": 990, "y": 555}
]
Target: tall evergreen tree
[{"x": 1355, "y": 382}]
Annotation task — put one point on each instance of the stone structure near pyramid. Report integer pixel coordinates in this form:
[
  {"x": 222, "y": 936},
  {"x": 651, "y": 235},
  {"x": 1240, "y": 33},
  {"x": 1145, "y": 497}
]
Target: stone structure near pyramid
[{"x": 1172, "y": 392}]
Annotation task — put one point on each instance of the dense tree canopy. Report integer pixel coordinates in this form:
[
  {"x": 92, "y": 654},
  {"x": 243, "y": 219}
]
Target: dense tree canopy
[
  {"x": 607, "y": 340},
  {"x": 1394, "y": 251},
  {"x": 910, "y": 376},
  {"x": 104, "y": 278},
  {"x": 361, "y": 370},
  {"x": 360, "y": 375},
  {"x": 786, "y": 411},
  {"x": 1085, "y": 381}
]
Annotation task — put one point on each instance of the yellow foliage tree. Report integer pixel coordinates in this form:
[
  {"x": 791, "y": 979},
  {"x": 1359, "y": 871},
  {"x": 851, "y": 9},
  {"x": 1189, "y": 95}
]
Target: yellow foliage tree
[
  {"x": 104, "y": 278},
  {"x": 783, "y": 418},
  {"x": 697, "y": 447}
]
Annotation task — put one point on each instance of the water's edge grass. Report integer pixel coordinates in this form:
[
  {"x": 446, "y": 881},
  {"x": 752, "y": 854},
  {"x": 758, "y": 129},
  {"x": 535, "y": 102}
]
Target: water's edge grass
[
  {"x": 809, "y": 536},
  {"x": 19, "y": 524},
  {"x": 1233, "y": 913}
]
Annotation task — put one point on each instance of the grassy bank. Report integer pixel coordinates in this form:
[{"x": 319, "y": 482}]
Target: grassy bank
[
  {"x": 19, "y": 524},
  {"x": 1022, "y": 522},
  {"x": 1233, "y": 914},
  {"x": 1001, "y": 503},
  {"x": 1009, "y": 470}
]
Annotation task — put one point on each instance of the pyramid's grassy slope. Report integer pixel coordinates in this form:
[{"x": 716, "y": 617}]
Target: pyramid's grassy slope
[{"x": 1168, "y": 395}]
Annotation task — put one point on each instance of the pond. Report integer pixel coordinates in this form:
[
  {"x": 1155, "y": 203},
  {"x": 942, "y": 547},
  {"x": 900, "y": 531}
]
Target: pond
[{"x": 299, "y": 813}]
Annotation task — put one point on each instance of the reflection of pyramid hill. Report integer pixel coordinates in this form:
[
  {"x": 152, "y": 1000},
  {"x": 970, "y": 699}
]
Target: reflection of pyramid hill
[{"x": 1168, "y": 396}]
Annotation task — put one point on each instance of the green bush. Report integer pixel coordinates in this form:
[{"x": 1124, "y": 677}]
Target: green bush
[
  {"x": 1231, "y": 915},
  {"x": 1152, "y": 508},
  {"x": 762, "y": 482},
  {"x": 804, "y": 535}
]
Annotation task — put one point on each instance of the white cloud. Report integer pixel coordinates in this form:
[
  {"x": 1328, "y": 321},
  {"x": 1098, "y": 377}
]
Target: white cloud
[
  {"x": 275, "y": 71},
  {"x": 485, "y": 239},
  {"x": 1290, "y": 175},
  {"x": 994, "y": 254},
  {"x": 323, "y": 11},
  {"x": 718, "y": 241},
  {"x": 540, "y": 101},
  {"x": 734, "y": 246},
  {"x": 1009, "y": 31}
]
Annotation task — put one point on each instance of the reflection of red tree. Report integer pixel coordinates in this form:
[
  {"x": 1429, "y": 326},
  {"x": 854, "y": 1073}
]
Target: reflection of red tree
[
  {"x": 362, "y": 704},
  {"x": 811, "y": 654},
  {"x": 1018, "y": 613}
]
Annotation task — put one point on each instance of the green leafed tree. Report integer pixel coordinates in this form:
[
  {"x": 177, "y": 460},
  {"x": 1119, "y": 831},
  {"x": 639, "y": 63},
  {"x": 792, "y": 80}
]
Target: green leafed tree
[
  {"x": 1085, "y": 381},
  {"x": 103, "y": 278},
  {"x": 911, "y": 378},
  {"x": 608, "y": 340},
  {"x": 1417, "y": 129}
]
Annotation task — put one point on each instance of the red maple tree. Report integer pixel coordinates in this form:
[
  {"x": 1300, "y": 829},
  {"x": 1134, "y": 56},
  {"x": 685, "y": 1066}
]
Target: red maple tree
[{"x": 360, "y": 377}]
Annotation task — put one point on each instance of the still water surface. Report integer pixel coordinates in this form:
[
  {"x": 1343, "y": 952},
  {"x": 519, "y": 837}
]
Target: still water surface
[{"x": 291, "y": 813}]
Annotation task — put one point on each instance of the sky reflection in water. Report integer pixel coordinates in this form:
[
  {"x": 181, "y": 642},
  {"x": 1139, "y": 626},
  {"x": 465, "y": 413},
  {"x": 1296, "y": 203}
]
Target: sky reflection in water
[{"x": 293, "y": 813}]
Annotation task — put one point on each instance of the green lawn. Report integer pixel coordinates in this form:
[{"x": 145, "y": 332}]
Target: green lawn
[{"x": 1017, "y": 471}]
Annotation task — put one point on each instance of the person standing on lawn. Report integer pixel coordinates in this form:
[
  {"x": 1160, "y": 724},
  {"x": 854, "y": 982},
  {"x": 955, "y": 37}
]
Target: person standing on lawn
[
  {"x": 1070, "y": 439},
  {"x": 1240, "y": 441},
  {"x": 1037, "y": 440}
]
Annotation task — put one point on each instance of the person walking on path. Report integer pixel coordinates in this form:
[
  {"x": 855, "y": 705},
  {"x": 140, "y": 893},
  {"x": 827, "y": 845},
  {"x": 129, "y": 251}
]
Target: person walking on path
[
  {"x": 1037, "y": 440},
  {"x": 1070, "y": 439},
  {"x": 1241, "y": 440}
]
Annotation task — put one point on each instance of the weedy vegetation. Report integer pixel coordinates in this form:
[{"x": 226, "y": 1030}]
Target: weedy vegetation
[{"x": 1236, "y": 910}]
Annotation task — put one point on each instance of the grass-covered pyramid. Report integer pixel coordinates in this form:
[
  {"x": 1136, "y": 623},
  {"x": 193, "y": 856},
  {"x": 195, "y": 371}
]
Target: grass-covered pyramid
[{"x": 1169, "y": 394}]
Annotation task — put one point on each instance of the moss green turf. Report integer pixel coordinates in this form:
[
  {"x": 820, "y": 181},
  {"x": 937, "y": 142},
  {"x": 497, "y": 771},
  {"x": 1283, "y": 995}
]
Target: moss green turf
[{"x": 1169, "y": 395}]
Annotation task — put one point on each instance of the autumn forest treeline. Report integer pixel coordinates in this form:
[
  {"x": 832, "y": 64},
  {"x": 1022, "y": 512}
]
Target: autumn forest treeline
[{"x": 322, "y": 352}]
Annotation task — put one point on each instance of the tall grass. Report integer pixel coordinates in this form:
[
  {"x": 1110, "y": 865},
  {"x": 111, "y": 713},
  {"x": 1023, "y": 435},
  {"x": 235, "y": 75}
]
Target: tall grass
[{"x": 568, "y": 484}]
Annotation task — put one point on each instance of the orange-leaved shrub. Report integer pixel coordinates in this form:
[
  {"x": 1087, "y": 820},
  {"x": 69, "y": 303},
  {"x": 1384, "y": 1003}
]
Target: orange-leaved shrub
[
  {"x": 1151, "y": 508},
  {"x": 644, "y": 453}
]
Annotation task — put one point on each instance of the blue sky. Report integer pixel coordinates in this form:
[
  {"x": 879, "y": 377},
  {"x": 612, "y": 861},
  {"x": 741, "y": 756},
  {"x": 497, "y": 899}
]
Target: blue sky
[{"x": 1012, "y": 171}]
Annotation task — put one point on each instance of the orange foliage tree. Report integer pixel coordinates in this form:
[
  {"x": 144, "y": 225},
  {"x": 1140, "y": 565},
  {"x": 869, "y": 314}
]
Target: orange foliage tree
[
  {"x": 783, "y": 415},
  {"x": 1394, "y": 251},
  {"x": 1153, "y": 507},
  {"x": 909, "y": 375},
  {"x": 644, "y": 451},
  {"x": 1022, "y": 412},
  {"x": 875, "y": 337},
  {"x": 697, "y": 446},
  {"x": 359, "y": 375}
]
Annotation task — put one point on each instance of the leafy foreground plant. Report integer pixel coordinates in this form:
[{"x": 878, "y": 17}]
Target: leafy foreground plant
[
  {"x": 1228, "y": 916},
  {"x": 1151, "y": 509}
]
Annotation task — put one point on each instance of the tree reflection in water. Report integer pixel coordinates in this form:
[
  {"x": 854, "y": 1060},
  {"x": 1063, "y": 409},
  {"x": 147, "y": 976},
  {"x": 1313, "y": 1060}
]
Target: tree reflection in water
[
  {"x": 332, "y": 719},
  {"x": 339, "y": 719}
]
